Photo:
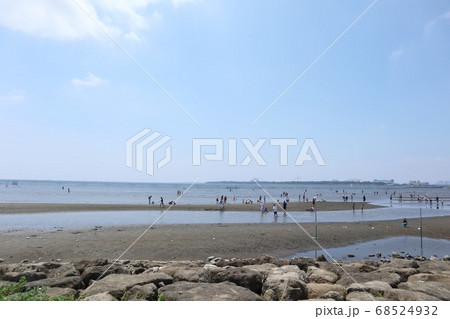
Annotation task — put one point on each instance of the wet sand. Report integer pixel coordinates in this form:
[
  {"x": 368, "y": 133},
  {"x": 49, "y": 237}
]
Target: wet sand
[
  {"x": 197, "y": 242},
  {"x": 28, "y": 208}
]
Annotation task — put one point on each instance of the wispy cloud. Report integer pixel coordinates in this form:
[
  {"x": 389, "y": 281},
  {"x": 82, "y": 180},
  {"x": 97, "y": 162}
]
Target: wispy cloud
[
  {"x": 63, "y": 20},
  {"x": 436, "y": 21},
  {"x": 396, "y": 54},
  {"x": 12, "y": 98},
  {"x": 178, "y": 3},
  {"x": 90, "y": 81}
]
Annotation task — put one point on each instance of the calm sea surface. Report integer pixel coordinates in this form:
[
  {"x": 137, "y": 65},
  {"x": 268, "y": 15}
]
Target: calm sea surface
[{"x": 203, "y": 193}]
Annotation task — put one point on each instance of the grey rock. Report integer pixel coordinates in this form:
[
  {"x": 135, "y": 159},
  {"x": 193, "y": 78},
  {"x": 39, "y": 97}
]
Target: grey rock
[
  {"x": 444, "y": 278},
  {"x": 189, "y": 291},
  {"x": 196, "y": 274},
  {"x": 145, "y": 292},
  {"x": 243, "y": 277},
  {"x": 303, "y": 262},
  {"x": 376, "y": 288},
  {"x": 94, "y": 273},
  {"x": 434, "y": 266},
  {"x": 446, "y": 258},
  {"x": 73, "y": 282},
  {"x": 117, "y": 284},
  {"x": 333, "y": 295},
  {"x": 83, "y": 264},
  {"x": 362, "y": 296},
  {"x": 408, "y": 295},
  {"x": 321, "y": 258},
  {"x": 102, "y": 296},
  {"x": 401, "y": 263},
  {"x": 392, "y": 279},
  {"x": 318, "y": 275},
  {"x": 316, "y": 290},
  {"x": 1, "y": 260},
  {"x": 437, "y": 289},
  {"x": 29, "y": 276},
  {"x": 64, "y": 292},
  {"x": 57, "y": 269},
  {"x": 361, "y": 266},
  {"x": 284, "y": 286},
  {"x": 263, "y": 269},
  {"x": 404, "y": 273}
]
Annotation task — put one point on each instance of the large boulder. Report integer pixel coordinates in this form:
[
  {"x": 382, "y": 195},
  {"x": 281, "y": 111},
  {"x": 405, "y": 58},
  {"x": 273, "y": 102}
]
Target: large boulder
[
  {"x": 29, "y": 276},
  {"x": 316, "y": 290},
  {"x": 361, "y": 266},
  {"x": 303, "y": 262},
  {"x": 73, "y": 282},
  {"x": 401, "y": 263},
  {"x": 98, "y": 272},
  {"x": 434, "y": 266},
  {"x": 117, "y": 284},
  {"x": 83, "y": 264},
  {"x": 363, "y": 296},
  {"x": 392, "y": 279},
  {"x": 263, "y": 269},
  {"x": 102, "y": 296},
  {"x": 54, "y": 269},
  {"x": 285, "y": 285},
  {"x": 318, "y": 275},
  {"x": 190, "y": 291},
  {"x": 375, "y": 288},
  {"x": 144, "y": 292},
  {"x": 443, "y": 277},
  {"x": 437, "y": 289},
  {"x": 53, "y": 292},
  {"x": 243, "y": 277},
  {"x": 404, "y": 273},
  {"x": 196, "y": 274},
  {"x": 408, "y": 295}
]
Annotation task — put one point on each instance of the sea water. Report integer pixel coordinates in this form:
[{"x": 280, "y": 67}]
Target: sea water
[{"x": 206, "y": 193}]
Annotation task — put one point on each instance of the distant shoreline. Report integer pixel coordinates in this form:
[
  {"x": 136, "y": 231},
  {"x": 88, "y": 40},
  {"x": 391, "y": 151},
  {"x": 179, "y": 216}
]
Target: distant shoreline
[{"x": 29, "y": 208}]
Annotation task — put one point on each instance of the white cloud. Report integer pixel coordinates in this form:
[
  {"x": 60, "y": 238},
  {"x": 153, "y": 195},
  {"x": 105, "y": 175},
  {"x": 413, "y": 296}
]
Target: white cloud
[
  {"x": 91, "y": 80},
  {"x": 178, "y": 3},
  {"x": 65, "y": 20},
  {"x": 12, "y": 98},
  {"x": 430, "y": 25},
  {"x": 395, "y": 55}
]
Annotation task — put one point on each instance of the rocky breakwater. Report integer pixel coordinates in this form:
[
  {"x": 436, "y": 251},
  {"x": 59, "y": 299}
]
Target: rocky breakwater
[{"x": 264, "y": 278}]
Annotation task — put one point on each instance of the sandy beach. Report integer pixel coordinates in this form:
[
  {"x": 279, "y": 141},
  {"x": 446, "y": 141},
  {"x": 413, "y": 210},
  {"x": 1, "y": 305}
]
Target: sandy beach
[
  {"x": 28, "y": 208},
  {"x": 197, "y": 242}
]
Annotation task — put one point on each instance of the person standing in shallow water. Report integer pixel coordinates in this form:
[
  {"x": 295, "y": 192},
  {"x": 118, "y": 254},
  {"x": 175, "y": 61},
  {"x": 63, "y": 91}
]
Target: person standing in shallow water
[
  {"x": 275, "y": 210},
  {"x": 161, "y": 202}
]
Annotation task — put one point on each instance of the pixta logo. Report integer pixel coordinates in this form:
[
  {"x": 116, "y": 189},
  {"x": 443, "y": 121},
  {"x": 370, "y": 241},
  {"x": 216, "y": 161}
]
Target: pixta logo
[{"x": 142, "y": 147}]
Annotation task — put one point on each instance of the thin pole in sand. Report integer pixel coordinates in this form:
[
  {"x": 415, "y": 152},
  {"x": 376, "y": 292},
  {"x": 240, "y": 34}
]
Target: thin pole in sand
[
  {"x": 421, "y": 234},
  {"x": 315, "y": 229},
  {"x": 315, "y": 223}
]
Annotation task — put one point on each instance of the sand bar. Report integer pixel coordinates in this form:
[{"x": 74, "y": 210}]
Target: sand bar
[{"x": 28, "y": 208}]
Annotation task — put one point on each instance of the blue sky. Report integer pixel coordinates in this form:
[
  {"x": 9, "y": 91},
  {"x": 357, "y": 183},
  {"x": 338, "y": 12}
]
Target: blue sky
[{"x": 376, "y": 104}]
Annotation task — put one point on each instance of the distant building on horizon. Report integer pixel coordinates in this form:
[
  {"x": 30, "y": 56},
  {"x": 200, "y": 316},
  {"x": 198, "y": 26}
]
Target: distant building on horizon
[
  {"x": 418, "y": 183},
  {"x": 384, "y": 181}
]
